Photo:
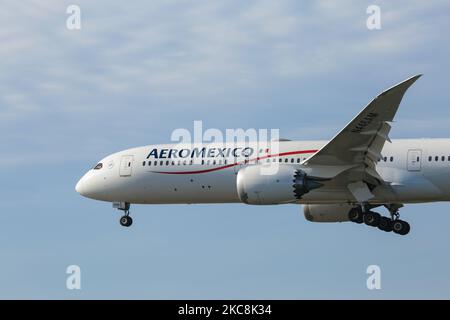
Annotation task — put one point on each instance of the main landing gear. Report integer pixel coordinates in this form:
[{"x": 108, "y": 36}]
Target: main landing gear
[
  {"x": 363, "y": 213},
  {"x": 125, "y": 220}
]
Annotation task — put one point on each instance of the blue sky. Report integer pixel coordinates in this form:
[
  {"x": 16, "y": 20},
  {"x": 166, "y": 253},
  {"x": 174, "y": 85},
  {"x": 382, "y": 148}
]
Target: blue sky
[{"x": 137, "y": 71}]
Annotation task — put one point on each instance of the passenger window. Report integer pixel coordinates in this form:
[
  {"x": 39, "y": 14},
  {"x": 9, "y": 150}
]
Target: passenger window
[
  {"x": 225, "y": 161},
  {"x": 155, "y": 163},
  {"x": 203, "y": 161},
  {"x": 161, "y": 163},
  {"x": 429, "y": 158},
  {"x": 286, "y": 160},
  {"x": 443, "y": 158},
  {"x": 385, "y": 159},
  {"x": 292, "y": 160},
  {"x": 298, "y": 160},
  {"x": 143, "y": 164},
  {"x": 391, "y": 159},
  {"x": 149, "y": 163},
  {"x": 281, "y": 160},
  {"x": 436, "y": 158},
  {"x": 214, "y": 162}
]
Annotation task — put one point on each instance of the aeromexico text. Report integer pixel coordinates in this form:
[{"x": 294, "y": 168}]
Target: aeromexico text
[{"x": 200, "y": 153}]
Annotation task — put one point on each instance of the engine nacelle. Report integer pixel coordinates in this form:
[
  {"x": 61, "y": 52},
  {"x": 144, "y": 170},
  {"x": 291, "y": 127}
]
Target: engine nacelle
[
  {"x": 326, "y": 212},
  {"x": 260, "y": 185}
]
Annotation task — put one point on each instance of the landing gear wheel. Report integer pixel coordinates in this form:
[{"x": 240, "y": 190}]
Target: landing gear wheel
[
  {"x": 385, "y": 224},
  {"x": 372, "y": 218},
  {"x": 355, "y": 215},
  {"x": 401, "y": 227},
  {"x": 126, "y": 221}
]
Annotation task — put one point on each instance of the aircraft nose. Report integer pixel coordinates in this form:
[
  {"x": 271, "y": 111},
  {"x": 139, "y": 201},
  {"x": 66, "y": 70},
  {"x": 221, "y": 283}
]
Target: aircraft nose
[
  {"x": 91, "y": 185},
  {"x": 85, "y": 185},
  {"x": 79, "y": 187}
]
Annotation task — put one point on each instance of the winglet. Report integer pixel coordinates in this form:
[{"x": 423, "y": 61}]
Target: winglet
[{"x": 404, "y": 85}]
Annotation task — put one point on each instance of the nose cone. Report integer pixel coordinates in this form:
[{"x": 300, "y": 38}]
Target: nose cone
[
  {"x": 79, "y": 187},
  {"x": 89, "y": 186},
  {"x": 92, "y": 185}
]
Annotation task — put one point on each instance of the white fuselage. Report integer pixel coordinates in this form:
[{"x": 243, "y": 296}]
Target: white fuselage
[{"x": 418, "y": 170}]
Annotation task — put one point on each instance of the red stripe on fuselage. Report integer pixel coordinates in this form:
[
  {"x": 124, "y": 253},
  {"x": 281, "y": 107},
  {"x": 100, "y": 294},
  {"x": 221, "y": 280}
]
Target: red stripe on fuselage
[{"x": 235, "y": 164}]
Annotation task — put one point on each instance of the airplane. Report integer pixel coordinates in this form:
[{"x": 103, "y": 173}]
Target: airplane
[{"x": 339, "y": 180}]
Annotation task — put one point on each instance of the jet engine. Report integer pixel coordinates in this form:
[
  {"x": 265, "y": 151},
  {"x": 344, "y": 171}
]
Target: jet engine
[
  {"x": 259, "y": 184},
  {"x": 326, "y": 212}
]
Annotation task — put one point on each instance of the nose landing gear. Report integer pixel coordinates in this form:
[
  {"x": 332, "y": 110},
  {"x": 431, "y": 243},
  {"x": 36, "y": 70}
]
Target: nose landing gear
[{"x": 125, "y": 220}]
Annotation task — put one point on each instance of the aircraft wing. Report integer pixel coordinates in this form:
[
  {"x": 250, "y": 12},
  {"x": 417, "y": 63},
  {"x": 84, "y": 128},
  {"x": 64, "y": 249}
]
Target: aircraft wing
[{"x": 358, "y": 146}]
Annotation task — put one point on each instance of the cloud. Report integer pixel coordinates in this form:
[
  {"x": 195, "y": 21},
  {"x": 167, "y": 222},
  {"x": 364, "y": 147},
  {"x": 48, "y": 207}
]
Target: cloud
[
  {"x": 191, "y": 48},
  {"x": 170, "y": 60}
]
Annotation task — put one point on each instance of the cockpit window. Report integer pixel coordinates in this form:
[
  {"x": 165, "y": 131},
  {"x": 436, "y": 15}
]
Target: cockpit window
[{"x": 98, "y": 166}]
